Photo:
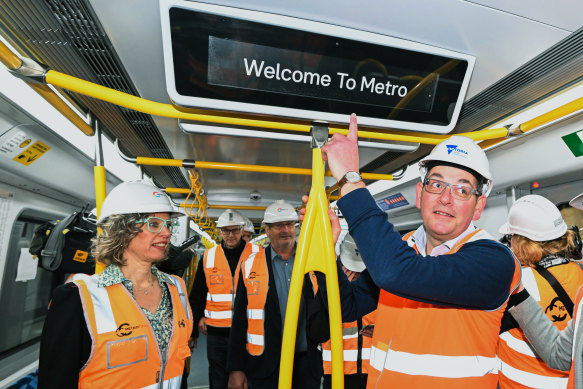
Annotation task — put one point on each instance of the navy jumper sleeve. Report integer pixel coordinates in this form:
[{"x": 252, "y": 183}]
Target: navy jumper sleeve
[{"x": 478, "y": 276}]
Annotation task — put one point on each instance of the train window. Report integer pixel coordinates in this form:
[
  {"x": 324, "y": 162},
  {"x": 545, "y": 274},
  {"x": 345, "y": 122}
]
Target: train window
[
  {"x": 23, "y": 304},
  {"x": 226, "y": 58}
]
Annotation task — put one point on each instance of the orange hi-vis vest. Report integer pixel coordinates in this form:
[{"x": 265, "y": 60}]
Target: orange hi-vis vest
[
  {"x": 256, "y": 277},
  {"x": 519, "y": 365},
  {"x": 422, "y": 345},
  {"x": 576, "y": 319},
  {"x": 124, "y": 350},
  {"x": 221, "y": 284},
  {"x": 350, "y": 346}
]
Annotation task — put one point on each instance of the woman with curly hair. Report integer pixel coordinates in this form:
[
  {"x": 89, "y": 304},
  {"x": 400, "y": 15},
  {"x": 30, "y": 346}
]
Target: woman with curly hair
[
  {"x": 127, "y": 327},
  {"x": 546, "y": 248}
]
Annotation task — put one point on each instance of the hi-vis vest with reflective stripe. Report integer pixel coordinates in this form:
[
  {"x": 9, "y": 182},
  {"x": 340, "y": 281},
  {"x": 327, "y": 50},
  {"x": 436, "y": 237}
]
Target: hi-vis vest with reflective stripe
[
  {"x": 256, "y": 277},
  {"x": 519, "y": 365},
  {"x": 421, "y": 345},
  {"x": 221, "y": 285},
  {"x": 350, "y": 347},
  {"x": 124, "y": 351},
  {"x": 578, "y": 311}
]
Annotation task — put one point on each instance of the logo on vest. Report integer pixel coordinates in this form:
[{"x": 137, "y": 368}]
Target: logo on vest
[
  {"x": 125, "y": 329},
  {"x": 556, "y": 310},
  {"x": 252, "y": 275},
  {"x": 181, "y": 324}
]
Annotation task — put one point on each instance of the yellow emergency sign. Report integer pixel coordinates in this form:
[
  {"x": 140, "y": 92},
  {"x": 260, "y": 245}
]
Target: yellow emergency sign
[{"x": 32, "y": 153}]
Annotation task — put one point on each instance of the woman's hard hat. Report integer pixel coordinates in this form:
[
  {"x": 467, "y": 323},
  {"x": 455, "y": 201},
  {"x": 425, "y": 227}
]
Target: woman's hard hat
[
  {"x": 462, "y": 151},
  {"x": 280, "y": 211},
  {"x": 577, "y": 202},
  {"x": 350, "y": 256},
  {"x": 536, "y": 218},
  {"x": 249, "y": 227},
  {"x": 230, "y": 218},
  {"x": 136, "y": 197}
]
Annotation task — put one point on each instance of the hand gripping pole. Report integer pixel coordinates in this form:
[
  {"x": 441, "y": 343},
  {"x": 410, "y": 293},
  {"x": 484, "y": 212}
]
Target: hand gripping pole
[{"x": 315, "y": 252}]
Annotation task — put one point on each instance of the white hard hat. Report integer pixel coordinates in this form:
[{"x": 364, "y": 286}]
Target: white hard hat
[
  {"x": 462, "y": 151},
  {"x": 249, "y": 227},
  {"x": 136, "y": 197},
  {"x": 577, "y": 202},
  {"x": 280, "y": 211},
  {"x": 536, "y": 218},
  {"x": 230, "y": 218},
  {"x": 350, "y": 256}
]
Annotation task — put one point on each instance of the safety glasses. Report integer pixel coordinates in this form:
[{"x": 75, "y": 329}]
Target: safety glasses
[
  {"x": 458, "y": 191},
  {"x": 156, "y": 224}
]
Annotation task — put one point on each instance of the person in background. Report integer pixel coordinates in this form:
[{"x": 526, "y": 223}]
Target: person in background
[
  {"x": 259, "y": 312},
  {"x": 545, "y": 248},
  {"x": 127, "y": 327},
  {"x": 562, "y": 350},
  {"x": 213, "y": 291},
  {"x": 441, "y": 291},
  {"x": 248, "y": 230},
  {"x": 356, "y": 335}
]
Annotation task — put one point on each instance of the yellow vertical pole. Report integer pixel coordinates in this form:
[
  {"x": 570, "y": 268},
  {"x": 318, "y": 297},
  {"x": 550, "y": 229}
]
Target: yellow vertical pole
[
  {"x": 100, "y": 184},
  {"x": 315, "y": 252}
]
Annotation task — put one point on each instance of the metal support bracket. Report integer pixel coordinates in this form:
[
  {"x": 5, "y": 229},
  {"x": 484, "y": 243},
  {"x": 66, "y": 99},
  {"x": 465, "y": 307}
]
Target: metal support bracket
[
  {"x": 319, "y": 132},
  {"x": 31, "y": 71}
]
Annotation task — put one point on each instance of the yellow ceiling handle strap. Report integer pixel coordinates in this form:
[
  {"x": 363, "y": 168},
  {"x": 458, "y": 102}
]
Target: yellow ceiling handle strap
[{"x": 315, "y": 252}]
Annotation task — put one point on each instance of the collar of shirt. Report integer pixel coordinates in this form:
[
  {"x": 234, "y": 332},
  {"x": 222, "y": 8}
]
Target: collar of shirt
[
  {"x": 420, "y": 239},
  {"x": 275, "y": 255},
  {"x": 113, "y": 275}
]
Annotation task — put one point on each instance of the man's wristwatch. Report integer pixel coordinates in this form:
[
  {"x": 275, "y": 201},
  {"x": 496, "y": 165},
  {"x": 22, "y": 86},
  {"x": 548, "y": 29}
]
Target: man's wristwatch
[{"x": 352, "y": 177}]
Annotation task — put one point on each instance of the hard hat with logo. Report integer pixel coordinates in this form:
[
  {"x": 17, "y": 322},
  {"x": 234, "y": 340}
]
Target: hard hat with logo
[
  {"x": 136, "y": 197},
  {"x": 249, "y": 227},
  {"x": 350, "y": 256},
  {"x": 577, "y": 202},
  {"x": 462, "y": 151},
  {"x": 536, "y": 218},
  {"x": 230, "y": 218},
  {"x": 280, "y": 211}
]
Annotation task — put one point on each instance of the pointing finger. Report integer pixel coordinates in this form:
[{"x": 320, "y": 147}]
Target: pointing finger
[{"x": 353, "y": 128}]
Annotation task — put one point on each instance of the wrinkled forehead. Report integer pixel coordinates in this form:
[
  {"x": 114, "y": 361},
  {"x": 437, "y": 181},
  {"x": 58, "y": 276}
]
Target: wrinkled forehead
[{"x": 452, "y": 174}]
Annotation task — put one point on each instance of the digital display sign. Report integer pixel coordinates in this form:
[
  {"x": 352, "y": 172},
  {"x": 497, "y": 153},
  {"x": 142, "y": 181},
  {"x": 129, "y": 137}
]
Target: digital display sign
[{"x": 231, "y": 59}]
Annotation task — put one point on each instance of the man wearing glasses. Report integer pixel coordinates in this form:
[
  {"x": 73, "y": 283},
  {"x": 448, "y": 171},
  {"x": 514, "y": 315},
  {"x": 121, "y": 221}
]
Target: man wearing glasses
[
  {"x": 214, "y": 290},
  {"x": 442, "y": 289},
  {"x": 259, "y": 312}
]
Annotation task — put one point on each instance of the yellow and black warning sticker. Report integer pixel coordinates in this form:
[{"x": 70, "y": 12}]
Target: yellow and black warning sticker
[
  {"x": 80, "y": 256},
  {"x": 32, "y": 153}
]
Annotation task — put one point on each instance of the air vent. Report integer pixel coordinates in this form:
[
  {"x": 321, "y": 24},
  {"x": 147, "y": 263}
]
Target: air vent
[{"x": 66, "y": 36}]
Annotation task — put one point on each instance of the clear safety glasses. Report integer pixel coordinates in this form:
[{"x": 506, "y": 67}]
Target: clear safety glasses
[
  {"x": 458, "y": 191},
  {"x": 156, "y": 224}
]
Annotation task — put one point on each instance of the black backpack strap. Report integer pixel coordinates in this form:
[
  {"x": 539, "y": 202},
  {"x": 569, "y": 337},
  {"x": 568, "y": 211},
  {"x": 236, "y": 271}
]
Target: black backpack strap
[{"x": 559, "y": 290}]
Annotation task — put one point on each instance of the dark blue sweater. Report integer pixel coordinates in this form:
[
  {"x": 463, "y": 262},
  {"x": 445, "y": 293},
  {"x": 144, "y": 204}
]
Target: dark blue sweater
[{"x": 478, "y": 276}]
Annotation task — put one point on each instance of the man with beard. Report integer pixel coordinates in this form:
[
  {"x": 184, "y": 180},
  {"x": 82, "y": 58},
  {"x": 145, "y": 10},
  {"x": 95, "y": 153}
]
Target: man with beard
[{"x": 259, "y": 312}]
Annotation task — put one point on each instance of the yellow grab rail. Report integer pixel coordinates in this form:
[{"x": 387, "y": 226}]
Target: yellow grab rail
[
  {"x": 100, "y": 194},
  {"x": 139, "y": 104},
  {"x": 315, "y": 252},
  {"x": 242, "y": 167}
]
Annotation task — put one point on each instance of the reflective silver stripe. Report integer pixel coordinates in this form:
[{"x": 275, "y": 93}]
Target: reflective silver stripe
[
  {"x": 377, "y": 358},
  {"x": 172, "y": 383},
  {"x": 576, "y": 322},
  {"x": 255, "y": 339},
  {"x": 517, "y": 344},
  {"x": 529, "y": 283},
  {"x": 181, "y": 293},
  {"x": 210, "y": 257},
  {"x": 254, "y": 248},
  {"x": 433, "y": 365},
  {"x": 365, "y": 353},
  {"x": 349, "y": 355},
  {"x": 104, "y": 320},
  {"x": 533, "y": 380},
  {"x": 218, "y": 314},
  {"x": 219, "y": 298},
  {"x": 248, "y": 265},
  {"x": 348, "y": 333},
  {"x": 256, "y": 314}
]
